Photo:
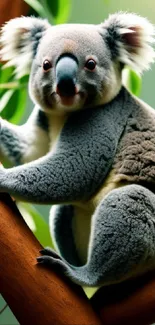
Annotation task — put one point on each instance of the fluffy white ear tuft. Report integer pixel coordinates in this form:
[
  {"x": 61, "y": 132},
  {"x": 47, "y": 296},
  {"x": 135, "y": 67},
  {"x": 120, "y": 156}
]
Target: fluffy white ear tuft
[
  {"x": 19, "y": 41},
  {"x": 129, "y": 38}
]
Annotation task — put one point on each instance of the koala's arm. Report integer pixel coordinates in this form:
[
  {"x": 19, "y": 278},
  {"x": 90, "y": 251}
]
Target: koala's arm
[
  {"x": 76, "y": 168},
  {"x": 20, "y": 144}
]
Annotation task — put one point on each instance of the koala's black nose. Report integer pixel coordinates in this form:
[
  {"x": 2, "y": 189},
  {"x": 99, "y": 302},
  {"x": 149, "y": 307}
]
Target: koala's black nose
[
  {"x": 66, "y": 87},
  {"x": 66, "y": 76}
]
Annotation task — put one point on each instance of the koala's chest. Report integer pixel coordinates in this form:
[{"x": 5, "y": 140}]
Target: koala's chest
[{"x": 56, "y": 123}]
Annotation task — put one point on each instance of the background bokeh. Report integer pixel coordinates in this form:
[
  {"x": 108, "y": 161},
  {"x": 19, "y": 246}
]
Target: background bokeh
[{"x": 86, "y": 11}]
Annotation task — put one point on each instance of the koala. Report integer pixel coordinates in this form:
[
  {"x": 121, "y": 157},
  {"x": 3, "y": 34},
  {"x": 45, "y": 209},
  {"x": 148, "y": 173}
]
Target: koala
[{"x": 88, "y": 147}]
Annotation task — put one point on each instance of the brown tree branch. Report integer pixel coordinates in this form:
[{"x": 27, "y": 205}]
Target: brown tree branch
[
  {"x": 35, "y": 294},
  {"x": 38, "y": 296},
  {"x": 130, "y": 302},
  {"x": 11, "y": 9}
]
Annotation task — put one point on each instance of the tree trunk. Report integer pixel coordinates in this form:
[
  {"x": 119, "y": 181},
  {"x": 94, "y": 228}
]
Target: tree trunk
[
  {"x": 39, "y": 296},
  {"x": 35, "y": 294},
  {"x": 130, "y": 302},
  {"x": 11, "y": 9}
]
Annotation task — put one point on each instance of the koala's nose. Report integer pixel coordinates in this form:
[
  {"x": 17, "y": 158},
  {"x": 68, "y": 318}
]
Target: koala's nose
[
  {"x": 66, "y": 76},
  {"x": 66, "y": 87}
]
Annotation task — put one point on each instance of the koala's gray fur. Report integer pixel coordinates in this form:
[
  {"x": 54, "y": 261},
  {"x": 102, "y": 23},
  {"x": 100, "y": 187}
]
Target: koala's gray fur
[{"x": 88, "y": 146}]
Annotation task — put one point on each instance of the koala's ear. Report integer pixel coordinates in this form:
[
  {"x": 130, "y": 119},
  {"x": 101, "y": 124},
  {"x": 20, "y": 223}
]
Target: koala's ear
[
  {"x": 19, "y": 41},
  {"x": 129, "y": 38}
]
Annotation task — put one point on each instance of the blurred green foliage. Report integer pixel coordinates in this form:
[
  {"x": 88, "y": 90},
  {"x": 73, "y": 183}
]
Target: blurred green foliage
[
  {"x": 13, "y": 94},
  {"x": 36, "y": 223},
  {"x": 132, "y": 81},
  {"x": 57, "y": 12}
]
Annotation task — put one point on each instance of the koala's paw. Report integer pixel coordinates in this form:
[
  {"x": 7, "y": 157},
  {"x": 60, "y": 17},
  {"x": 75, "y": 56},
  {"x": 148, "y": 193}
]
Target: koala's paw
[
  {"x": 54, "y": 262},
  {"x": 52, "y": 259},
  {"x": 47, "y": 251}
]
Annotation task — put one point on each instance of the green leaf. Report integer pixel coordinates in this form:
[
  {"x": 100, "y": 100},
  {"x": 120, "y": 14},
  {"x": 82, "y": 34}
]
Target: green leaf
[
  {"x": 90, "y": 291},
  {"x": 5, "y": 73},
  {"x": 37, "y": 6},
  {"x": 20, "y": 107},
  {"x": 53, "y": 7},
  {"x": 5, "y": 76},
  {"x": 24, "y": 80},
  {"x": 12, "y": 100},
  {"x": 132, "y": 81},
  {"x": 12, "y": 104},
  {"x": 10, "y": 85},
  {"x": 60, "y": 10},
  {"x": 36, "y": 223},
  {"x": 5, "y": 99}
]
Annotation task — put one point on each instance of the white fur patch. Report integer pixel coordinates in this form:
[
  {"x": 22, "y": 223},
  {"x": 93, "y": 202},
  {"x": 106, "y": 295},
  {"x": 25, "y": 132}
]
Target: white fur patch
[
  {"x": 136, "y": 36},
  {"x": 17, "y": 42},
  {"x": 52, "y": 215}
]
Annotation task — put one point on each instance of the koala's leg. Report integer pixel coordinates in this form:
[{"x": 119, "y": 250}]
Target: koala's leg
[
  {"x": 20, "y": 144},
  {"x": 122, "y": 240},
  {"x": 61, "y": 232}
]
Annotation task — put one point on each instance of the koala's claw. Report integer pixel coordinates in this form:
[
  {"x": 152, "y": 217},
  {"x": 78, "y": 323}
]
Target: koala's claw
[
  {"x": 56, "y": 263},
  {"x": 44, "y": 259},
  {"x": 50, "y": 257},
  {"x": 47, "y": 251}
]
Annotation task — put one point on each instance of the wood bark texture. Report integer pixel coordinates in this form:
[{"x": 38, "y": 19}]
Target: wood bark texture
[
  {"x": 35, "y": 294},
  {"x": 11, "y": 9},
  {"x": 131, "y": 302},
  {"x": 39, "y": 296}
]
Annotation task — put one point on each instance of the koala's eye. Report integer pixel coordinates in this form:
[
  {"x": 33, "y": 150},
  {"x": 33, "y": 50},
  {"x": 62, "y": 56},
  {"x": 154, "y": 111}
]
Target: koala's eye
[
  {"x": 90, "y": 64},
  {"x": 47, "y": 65}
]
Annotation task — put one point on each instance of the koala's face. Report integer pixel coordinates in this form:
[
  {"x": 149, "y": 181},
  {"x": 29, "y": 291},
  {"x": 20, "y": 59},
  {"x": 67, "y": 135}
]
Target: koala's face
[
  {"x": 77, "y": 66},
  {"x": 73, "y": 69}
]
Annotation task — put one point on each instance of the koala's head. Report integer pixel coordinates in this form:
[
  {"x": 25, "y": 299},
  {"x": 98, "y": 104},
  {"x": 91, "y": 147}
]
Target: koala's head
[{"x": 74, "y": 66}]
